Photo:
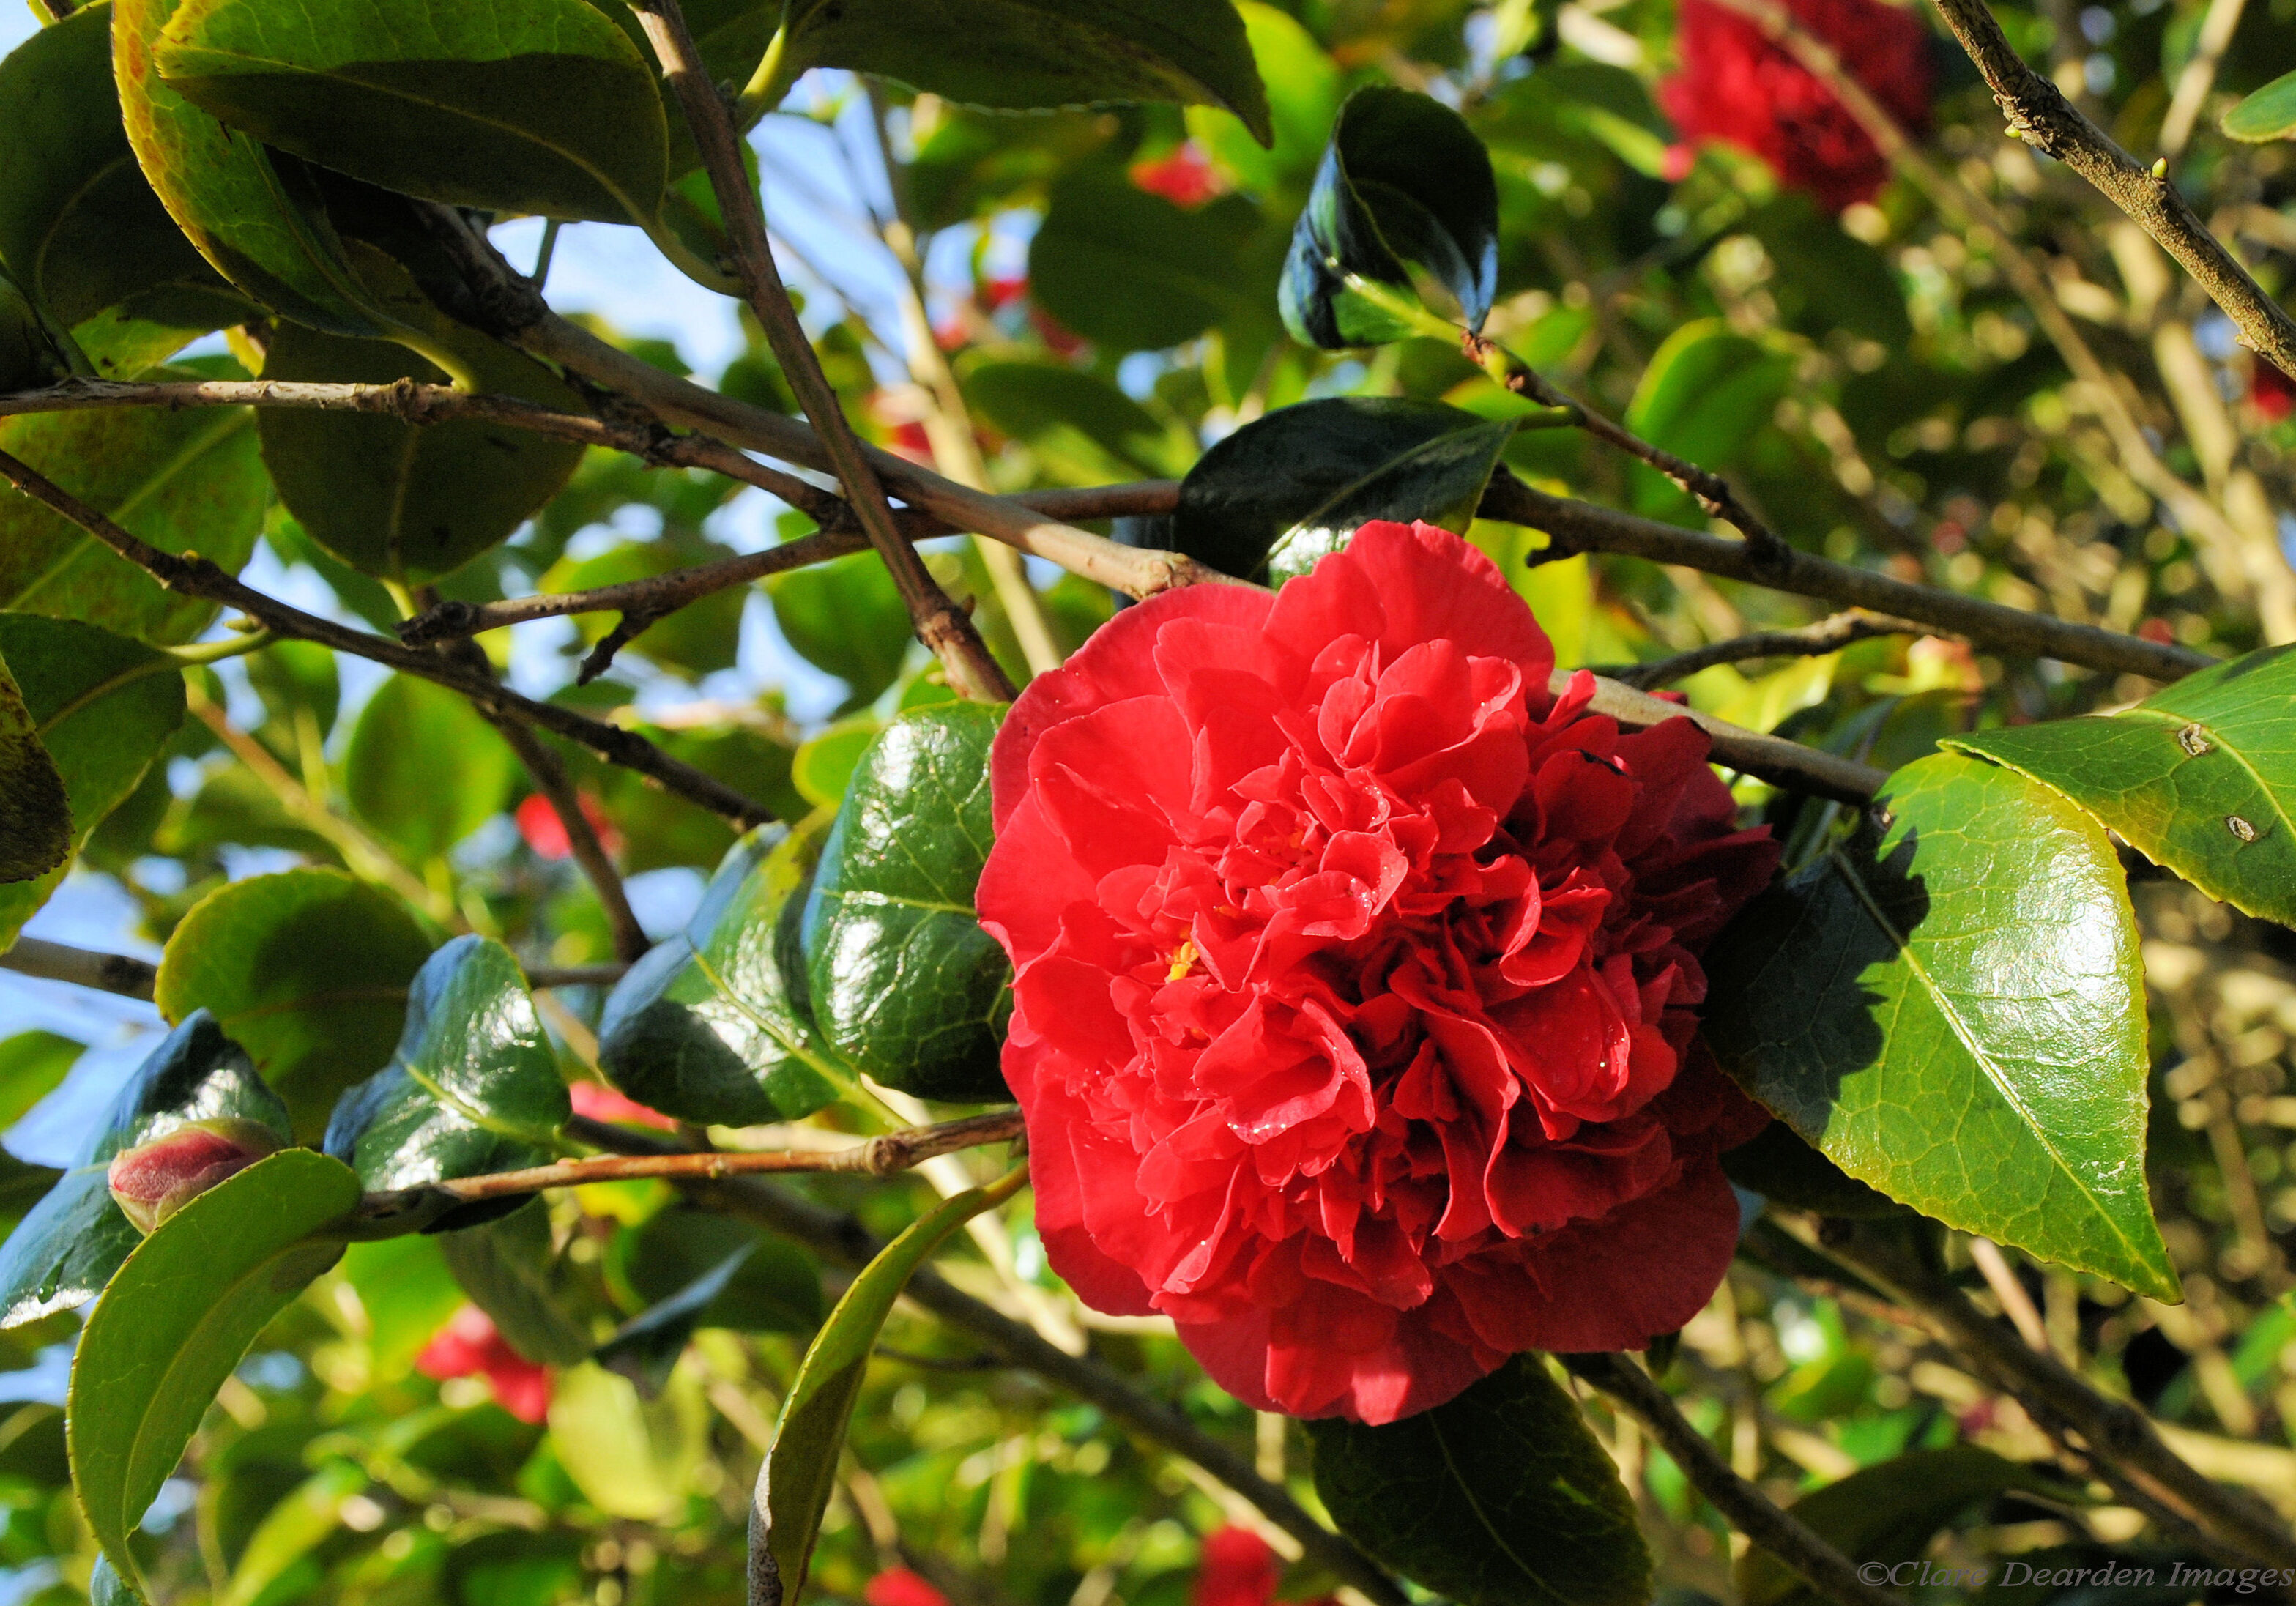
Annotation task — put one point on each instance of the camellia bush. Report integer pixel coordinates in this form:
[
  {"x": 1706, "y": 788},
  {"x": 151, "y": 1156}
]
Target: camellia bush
[{"x": 1556, "y": 866}]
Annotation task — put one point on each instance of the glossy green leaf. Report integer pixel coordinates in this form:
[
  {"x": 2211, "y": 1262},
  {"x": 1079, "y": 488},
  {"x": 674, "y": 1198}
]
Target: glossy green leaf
[
  {"x": 1136, "y": 273},
  {"x": 778, "y": 1288},
  {"x": 711, "y": 1025},
  {"x": 187, "y": 481},
  {"x": 508, "y": 1268},
  {"x": 406, "y": 501},
  {"x": 631, "y": 1458},
  {"x": 2269, "y": 113},
  {"x": 1501, "y": 1497},
  {"x": 78, "y": 226},
  {"x": 36, "y": 818},
  {"x": 424, "y": 768},
  {"x": 1081, "y": 429},
  {"x": 473, "y": 1086},
  {"x": 178, "y": 1317},
  {"x": 1404, "y": 180},
  {"x": 847, "y": 617},
  {"x": 67, "y": 1246},
  {"x": 254, "y": 214},
  {"x": 307, "y": 969},
  {"x": 905, "y": 984},
  {"x": 1704, "y": 394},
  {"x": 102, "y": 706},
  {"x": 508, "y": 105},
  {"x": 1951, "y": 1007},
  {"x": 1289, "y": 487},
  {"x": 794, "y": 1485},
  {"x": 1888, "y": 1513},
  {"x": 1018, "y": 53},
  {"x": 2199, "y": 777}
]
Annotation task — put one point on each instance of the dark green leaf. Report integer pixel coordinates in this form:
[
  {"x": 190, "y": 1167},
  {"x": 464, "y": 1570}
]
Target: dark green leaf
[
  {"x": 508, "y": 105},
  {"x": 699, "y": 639},
  {"x": 645, "y": 1347},
  {"x": 1289, "y": 487},
  {"x": 1704, "y": 396},
  {"x": 2199, "y": 777},
  {"x": 1135, "y": 272},
  {"x": 102, "y": 706},
  {"x": 1951, "y": 1009},
  {"x": 1021, "y": 53},
  {"x": 31, "y": 353},
  {"x": 777, "y": 1290},
  {"x": 405, "y": 501},
  {"x": 794, "y": 1485},
  {"x": 78, "y": 226},
  {"x": 1305, "y": 87},
  {"x": 473, "y": 1086},
  {"x": 1779, "y": 1165},
  {"x": 712, "y": 1025},
  {"x": 1404, "y": 180},
  {"x": 69, "y": 1243},
  {"x": 1827, "y": 279},
  {"x": 253, "y": 214},
  {"x": 508, "y": 1268},
  {"x": 660, "y": 829},
  {"x": 187, "y": 481},
  {"x": 423, "y": 769},
  {"x": 308, "y": 970},
  {"x": 905, "y": 983},
  {"x": 35, "y": 818},
  {"x": 2269, "y": 113},
  {"x": 1082, "y": 429},
  {"x": 178, "y": 1317},
  {"x": 846, "y": 615},
  {"x": 1501, "y": 1497}
]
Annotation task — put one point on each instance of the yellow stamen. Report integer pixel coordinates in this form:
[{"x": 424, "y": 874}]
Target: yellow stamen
[{"x": 1184, "y": 959}]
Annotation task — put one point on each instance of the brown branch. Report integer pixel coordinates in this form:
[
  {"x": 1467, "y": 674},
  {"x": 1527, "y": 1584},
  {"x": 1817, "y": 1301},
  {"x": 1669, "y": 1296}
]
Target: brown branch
[
  {"x": 1751, "y": 1512},
  {"x": 2040, "y": 113},
  {"x": 193, "y": 576},
  {"x": 1810, "y": 641},
  {"x": 574, "y": 975},
  {"x": 121, "y": 974},
  {"x": 946, "y": 629}
]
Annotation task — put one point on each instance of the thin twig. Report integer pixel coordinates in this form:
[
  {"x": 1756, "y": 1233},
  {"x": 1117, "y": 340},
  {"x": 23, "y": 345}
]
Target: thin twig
[
  {"x": 121, "y": 974},
  {"x": 1751, "y": 1512},
  {"x": 575, "y": 975},
  {"x": 1829, "y": 634},
  {"x": 946, "y": 629},
  {"x": 1774, "y": 759}
]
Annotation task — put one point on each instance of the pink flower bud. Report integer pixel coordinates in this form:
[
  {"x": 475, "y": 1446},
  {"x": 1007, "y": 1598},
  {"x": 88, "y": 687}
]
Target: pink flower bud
[{"x": 152, "y": 1181}]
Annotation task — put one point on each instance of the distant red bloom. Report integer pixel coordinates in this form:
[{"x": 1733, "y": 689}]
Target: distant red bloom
[
  {"x": 1182, "y": 175},
  {"x": 2270, "y": 392},
  {"x": 899, "y": 1586},
  {"x": 469, "y": 1346},
  {"x": 546, "y": 832},
  {"x": 598, "y": 1102},
  {"x": 1357, "y": 972},
  {"x": 1239, "y": 1569},
  {"x": 1737, "y": 87}
]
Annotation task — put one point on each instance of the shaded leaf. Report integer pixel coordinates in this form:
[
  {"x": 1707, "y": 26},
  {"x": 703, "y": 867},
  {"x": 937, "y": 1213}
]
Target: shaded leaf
[
  {"x": 847, "y": 617},
  {"x": 291, "y": 1529},
  {"x": 177, "y": 1318},
  {"x": 1780, "y": 1165},
  {"x": 645, "y": 1347},
  {"x": 1828, "y": 279},
  {"x": 31, "y": 354},
  {"x": 699, "y": 639},
  {"x": 35, "y": 819},
  {"x": 424, "y": 768},
  {"x": 307, "y": 969},
  {"x": 1951, "y": 1009},
  {"x": 1706, "y": 391},
  {"x": 1501, "y": 1497},
  {"x": 712, "y": 1025},
  {"x": 777, "y": 1290},
  {"x": 2199, "y": 777},
  {"x": 509, "y": 1269},
  {"x": 1404, "y": 180},
  {"x": 1305, "y": 88},
  {"x": 905, "y": 984},
  {"x": 1136, "y": 273},
  {"x": 1082, "y": 429},
  {"x": 32, "y": 1066},
  {"x": 1288, "y": 488}
]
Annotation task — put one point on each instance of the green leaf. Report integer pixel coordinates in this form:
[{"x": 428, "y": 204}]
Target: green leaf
[
  {"x": 32, "y": 1066},
  {"x": 291, "y": 1529},
  {"x": 1404, "y": 180},
  {"x": 1828, "y": 279},
  {"x": 1082, "y": 429},
  {"x": 407, "y": 1291},
  {"x": 102, "y": 706},
  {"x": 1704, "y": 394},
  {"x": 509, "y": 1270},
  {"x": 1020, "y": 54},
  {"x": 824, "y": 766},
  {"x": 777, "y": 1290},
  {"x": 308, "y": 970},
  {"x": 473, "y": 1086},
  {"x": 700, "y": 639},
  {"x": 79, "y": 228},
  {"x": 187, "y": 481},
  {"x": 794, "y": 1485},
  {"x": 68, "y": 1245},
  {"x": 1287, "y": 488},
  {"x": 1305, "y": 88},
  {"x": 31, "y": 354},
  {"x": 1888, "y": 1513},
  {"x": 905, "y": 984},
  {"x": 507, "y": 105},
  {"x": 1780, "y": 1165},
  {"x": 1133, "y": 272},
  {"x": 631, "y": 1458},
  {"x": 2199, "y": 777},
  {"x": 424, "y": 768},
  {"x": 35, "y": 818},
  {"x": 1501, "y": 1497},
  {"x": 2269, "y": 113},
  {"x": 1951, "y": 1008},
  {"x": 406, "y": 501},
  {"x": 711, "y": 1025},
  {"x": 660, "y": 829},
  {"x": 177, "y": 1320},
  {"x": 847, "y": 617},
  {"x": 254, "y": 214},
  {"x": 645, "y": 1348}
]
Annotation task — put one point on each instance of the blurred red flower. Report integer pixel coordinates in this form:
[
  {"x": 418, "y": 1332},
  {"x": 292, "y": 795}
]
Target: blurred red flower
[
  {"x": 2270, "y": 392},
  {"x": 544, "y": 833},
  {"x": 1357, "y": 972},
  {"x": 1182, "y": 175},
  {"x": 1737, "y": 87},
  {"x": 600, "y": 1103},
  {"x": 469, "y": 1346},
  {"x": 899, "y": 1586},
  {"x": 1238, "y": 1569}
]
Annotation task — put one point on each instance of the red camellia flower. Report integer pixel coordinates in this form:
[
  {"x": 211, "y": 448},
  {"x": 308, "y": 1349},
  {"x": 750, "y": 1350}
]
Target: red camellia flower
[
  {"x": 1737, "y": 87},
  {"x": 1182, "y": 175},
  {"x": 1355, "y": 971},
  {"x": 2270, "y": 392},
  {"x": 470, "y": 1346},
  {"x": 544, "y": 833},
  {"x": 899, "y": 1586},
  {"x": 1239, "y": 1569}
]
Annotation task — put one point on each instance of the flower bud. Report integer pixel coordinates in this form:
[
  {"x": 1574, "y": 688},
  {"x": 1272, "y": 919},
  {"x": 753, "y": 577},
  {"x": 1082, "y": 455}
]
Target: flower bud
[{"x": 152, "y": 1181}]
